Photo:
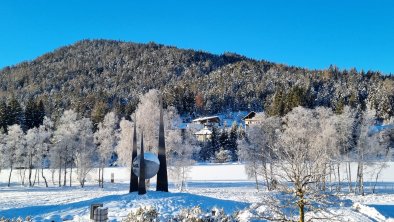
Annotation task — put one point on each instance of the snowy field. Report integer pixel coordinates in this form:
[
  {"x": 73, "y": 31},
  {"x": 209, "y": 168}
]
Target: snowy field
[{"x": 210, "y": 185}]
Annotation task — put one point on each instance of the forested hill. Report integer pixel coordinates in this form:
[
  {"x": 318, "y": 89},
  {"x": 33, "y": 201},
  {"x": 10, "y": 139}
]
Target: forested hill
[{"x": 95, "y": 76}]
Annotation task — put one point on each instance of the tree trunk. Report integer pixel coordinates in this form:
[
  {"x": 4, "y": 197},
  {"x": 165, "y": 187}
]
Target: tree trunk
[
  {"x": 60, "y": 175},
  {"x": 9, "y": 178},
  {"x": 301, "y": 207},
  {"x": 350, "y": 178},
  {"x": 183, "y": 178},
  {"x": 339, "y": 177},
  {"x": 265, "y": 171},
  {"x": 35, "y": 178},
  {"x": 102, "y": 177},
  {"x": 43, "y": 177},
  {"x": 257, "y": 182},
  {"x": 330, "y": 178},
  {"x": 30, "y": 172},
  {"x": 53, "y": 175},
  {"x": 71, "y": 172},
  {"x": 38, "y": 177},
  {"x": 22, "y": 176},
  {"x": 65, "y": 174},
  {"x": 324, "y": 179},
  {"x": 99, "y": 176}
]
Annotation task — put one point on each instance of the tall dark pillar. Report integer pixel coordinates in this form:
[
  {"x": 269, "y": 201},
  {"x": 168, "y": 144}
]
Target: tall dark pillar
[
  {"x": 141, "y": 182},
  {"x": 162, "y": 178},
  {"x": 133, "y": 177}
]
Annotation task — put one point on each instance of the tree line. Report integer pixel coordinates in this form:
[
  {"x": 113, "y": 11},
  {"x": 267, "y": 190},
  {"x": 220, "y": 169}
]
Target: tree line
[{"x": 12, "y": 112}]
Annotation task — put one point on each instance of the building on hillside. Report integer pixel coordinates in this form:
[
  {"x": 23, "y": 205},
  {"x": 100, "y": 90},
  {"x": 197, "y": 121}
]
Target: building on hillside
[
  {"x": 252, "y": 118},
  {"x": 204, "y": 135},
  {"x": 208, "y": 121},
  {"x": 204, "y": 126}
]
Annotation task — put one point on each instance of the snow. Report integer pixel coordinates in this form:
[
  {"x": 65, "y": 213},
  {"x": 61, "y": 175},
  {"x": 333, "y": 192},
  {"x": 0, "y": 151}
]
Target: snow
[
  {"x": 204, "y": 131},
  {"x": 209, "y": 185},
  {"x": 205, "y": 118}
]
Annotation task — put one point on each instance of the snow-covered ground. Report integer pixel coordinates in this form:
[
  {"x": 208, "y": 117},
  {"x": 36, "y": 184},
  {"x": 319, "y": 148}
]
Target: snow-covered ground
[{"x": 209, "y": 185}]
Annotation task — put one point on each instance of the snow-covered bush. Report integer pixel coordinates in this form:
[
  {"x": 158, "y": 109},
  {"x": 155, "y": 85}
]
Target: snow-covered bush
[
  {"x": 223, "y": 156},
  {"x": 142, "y": 214},
  {"x": 195, "y": 214},
  {"x": 19, "y": 219}
]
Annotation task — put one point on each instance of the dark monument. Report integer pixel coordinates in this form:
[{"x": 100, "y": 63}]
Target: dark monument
[
  {"x": 133, "y": 177},
  {"x": 162, "y": 178},
  {"x": 141, "y": 182}
]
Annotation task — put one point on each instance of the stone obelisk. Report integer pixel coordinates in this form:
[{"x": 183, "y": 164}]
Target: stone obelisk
[
  {"x": 141, "y": 179},
  {"x": 133, "y": 177},
  {"x": 162, "y": 178}
]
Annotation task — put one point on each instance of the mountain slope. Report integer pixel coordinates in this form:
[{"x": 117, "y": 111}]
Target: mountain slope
[{"x": 89, "y": 73}]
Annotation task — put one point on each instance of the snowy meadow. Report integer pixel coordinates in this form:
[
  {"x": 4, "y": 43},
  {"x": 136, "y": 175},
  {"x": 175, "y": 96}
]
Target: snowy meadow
[{"x": 210, "y": 186}]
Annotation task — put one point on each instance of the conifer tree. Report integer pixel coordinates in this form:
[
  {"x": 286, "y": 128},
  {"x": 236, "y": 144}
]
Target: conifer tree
[
  {"x": 39, "y": 113},
  {"x": 3, "y": 116},
  {"x": 16, "y": 114},
  {"x": 30, "y": 114},
  {"x": 223, "y": 139},
  {"x": 215, "y": 145},
  {"x": 232, "y": 142}
]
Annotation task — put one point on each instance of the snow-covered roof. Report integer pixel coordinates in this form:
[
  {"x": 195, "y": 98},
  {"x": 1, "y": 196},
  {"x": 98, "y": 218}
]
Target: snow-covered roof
[
  {"x": 207, "y": 119},
  {"x": 204, "y": 131},
  {"x": 250, "y": 115}
]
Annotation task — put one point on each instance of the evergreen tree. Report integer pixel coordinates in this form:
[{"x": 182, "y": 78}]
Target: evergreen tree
[
  {"x": 232, "y": 142},
  {"x": 98, "y": 114},
  {"x": 30, "y": 114},
  {"x": 277, "y": 106},
  {"x": 215, "y": 145},
  {"x": 3, "y": 116},
  {"x": 223, "y": 139},
  {"x": 16, "y": 114},
  {"x": 338, "y": 107},
  {"x": 39, "y": 113},
  {"x": 205, "y": 152}
]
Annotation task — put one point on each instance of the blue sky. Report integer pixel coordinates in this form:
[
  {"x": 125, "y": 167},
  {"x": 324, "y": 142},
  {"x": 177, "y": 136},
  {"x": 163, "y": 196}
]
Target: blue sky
[{"x": 311, "y": 34}]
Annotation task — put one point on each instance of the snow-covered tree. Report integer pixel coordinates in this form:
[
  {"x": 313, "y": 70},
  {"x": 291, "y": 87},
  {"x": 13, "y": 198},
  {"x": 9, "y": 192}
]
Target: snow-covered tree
[
  {"x": 147, "y": 114},
  {"x": 85, "y": 152},
  {"x": 179, "y": 156},
  {"x": 125, "y": 142},
  {"x": 2, "y": 150},
  {"x": 37, "y": 141},
  {"x": 345, "y": 125},
  {"x": 45, "y": 132},
  {"x": 368, "y": 148},
  {"x": 32, "y": 145},
  {"x": 105, "y": 137},
  {"x": 303, "y": 157},
  {"x": 258, "y": 149},
  {"x": 14, "y": 152},
  {"x": 62, "y": 153}
]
